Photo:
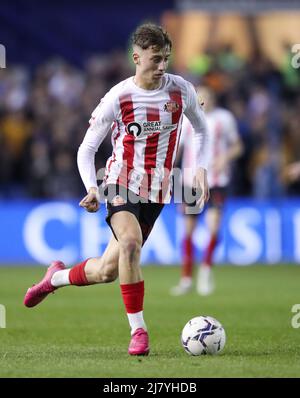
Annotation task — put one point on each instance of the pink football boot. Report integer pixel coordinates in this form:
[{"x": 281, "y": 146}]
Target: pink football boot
[
  {"x": 37, "y": 293},
  {"x": 139, "y": 344}
]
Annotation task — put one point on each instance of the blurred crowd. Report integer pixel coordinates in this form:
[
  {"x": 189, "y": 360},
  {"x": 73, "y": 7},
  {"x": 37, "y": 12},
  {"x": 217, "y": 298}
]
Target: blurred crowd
[
  {"x": 44, "y": 115},
  {"x": 265, "y": 100}
]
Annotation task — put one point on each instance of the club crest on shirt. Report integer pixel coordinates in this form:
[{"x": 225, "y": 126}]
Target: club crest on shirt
[{"x": 171, "y": 107}]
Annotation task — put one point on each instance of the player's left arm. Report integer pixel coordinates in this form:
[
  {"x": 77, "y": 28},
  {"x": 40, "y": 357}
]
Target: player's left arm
[{"x": 196, "y": 116}]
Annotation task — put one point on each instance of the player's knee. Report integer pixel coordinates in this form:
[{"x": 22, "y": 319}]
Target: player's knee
[{"x": 131, "y": 246}]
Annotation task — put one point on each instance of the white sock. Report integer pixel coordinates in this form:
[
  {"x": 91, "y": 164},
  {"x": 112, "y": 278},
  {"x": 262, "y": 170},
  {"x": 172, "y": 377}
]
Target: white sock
[
  {"x": 61, "y": 278},
  {"x": 136, "y": 321}
]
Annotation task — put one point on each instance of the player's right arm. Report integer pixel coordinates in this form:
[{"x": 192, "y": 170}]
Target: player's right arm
[{"x": 100, "y": 123}]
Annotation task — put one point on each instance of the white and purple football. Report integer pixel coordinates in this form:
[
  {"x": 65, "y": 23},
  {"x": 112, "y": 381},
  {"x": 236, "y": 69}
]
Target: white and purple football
[{"x": 203, "y": 335}]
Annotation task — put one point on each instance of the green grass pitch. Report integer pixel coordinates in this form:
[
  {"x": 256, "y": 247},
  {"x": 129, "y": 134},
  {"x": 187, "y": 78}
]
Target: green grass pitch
[{"x": 83, "y": 331}]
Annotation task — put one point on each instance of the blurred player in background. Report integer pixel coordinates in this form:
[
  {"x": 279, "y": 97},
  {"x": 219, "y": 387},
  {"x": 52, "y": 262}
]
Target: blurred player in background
[
  {"x": 291, "y": 175},
  {"x": 225, "y": 146},
  {"x": 293, "y": 171},
  {"x": 146, "y": 111}
]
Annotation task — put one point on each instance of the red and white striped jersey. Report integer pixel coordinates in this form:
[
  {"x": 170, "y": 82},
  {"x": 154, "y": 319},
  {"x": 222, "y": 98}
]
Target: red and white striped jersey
[
  {"x": 145, "y": 136},
  {"x": 222, "y": 132}
]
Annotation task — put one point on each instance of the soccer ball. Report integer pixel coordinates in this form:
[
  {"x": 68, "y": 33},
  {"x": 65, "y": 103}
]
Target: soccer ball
[{"x": 203, "y": 335}]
